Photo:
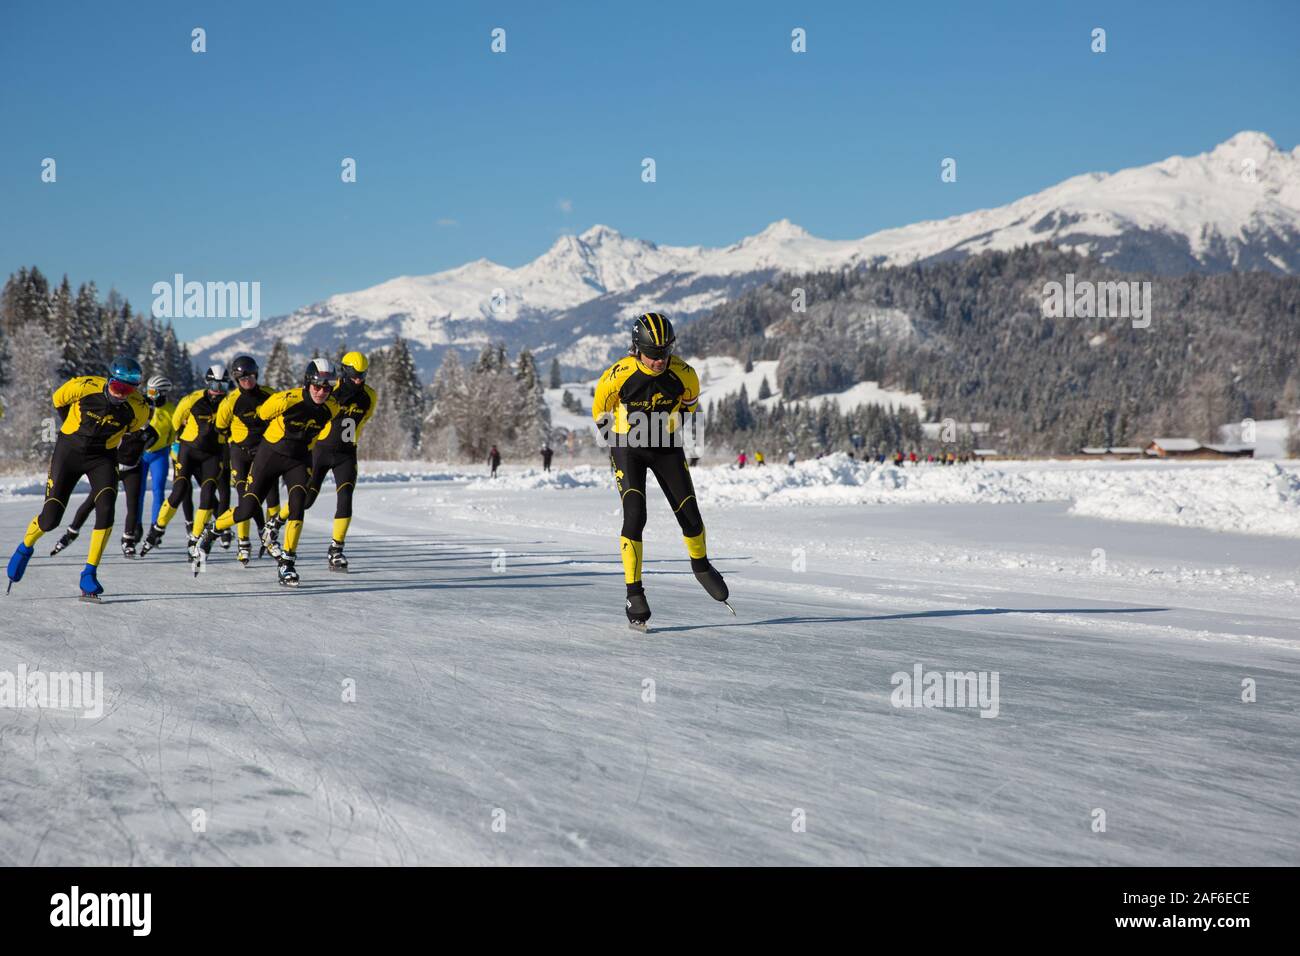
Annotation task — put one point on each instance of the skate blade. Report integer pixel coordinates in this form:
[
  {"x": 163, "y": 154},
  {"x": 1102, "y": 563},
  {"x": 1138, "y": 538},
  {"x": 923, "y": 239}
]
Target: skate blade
[
  {"x": 639, "y": 627},
  {"x": 90, "y": 598},
  {"x": 10, "y": 588},
  {"x": 339, "y": 570},
  {"x": 730, "y": 608},
  {"x": 288, "y": 584}
]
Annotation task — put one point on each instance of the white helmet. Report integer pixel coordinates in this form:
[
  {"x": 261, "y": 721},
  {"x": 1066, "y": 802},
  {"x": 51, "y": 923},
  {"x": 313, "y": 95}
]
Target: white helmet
[{"x": 157, "y": 387}]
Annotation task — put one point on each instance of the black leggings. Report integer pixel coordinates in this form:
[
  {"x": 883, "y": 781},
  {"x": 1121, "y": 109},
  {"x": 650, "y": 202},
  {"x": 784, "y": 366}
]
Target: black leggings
[
  {"x": 269, "y": 466},
  {"x": 187, "y": 490},
  {"x": 241, "y": 466},
  {"x": 344, "y": 465},
  {"x": 69, "y": 462},
  {"x": 131, "y": 480},
  {"x": 204, "y": 466},
  {"x": 223, "y": 481},
  {"x": 669, "y": 466}
]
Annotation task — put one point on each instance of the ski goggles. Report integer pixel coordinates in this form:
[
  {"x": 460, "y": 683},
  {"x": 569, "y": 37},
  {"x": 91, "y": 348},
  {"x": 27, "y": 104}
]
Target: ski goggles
[
  {"x": 656, "y": 353},
  {"x": 119, "y": 388}
]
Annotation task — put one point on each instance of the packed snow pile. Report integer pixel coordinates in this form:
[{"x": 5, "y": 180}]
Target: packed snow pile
[
  {"x": 582, "y": 476},
  {"x": 1248, "y": 497},
  {"x": 1244, "y": 496}
]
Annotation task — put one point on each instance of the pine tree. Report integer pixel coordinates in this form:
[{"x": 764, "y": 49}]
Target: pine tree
[
  {"x": 556, "y": 379},
  {"x": 278, "y": 373},
  {"x": 764, "y": 390},
  {"x": 81, "y": 351}
]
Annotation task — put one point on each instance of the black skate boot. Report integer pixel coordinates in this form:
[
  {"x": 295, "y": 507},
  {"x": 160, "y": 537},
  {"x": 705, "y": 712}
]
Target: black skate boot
[
  {"x": 287, "y": 572},
  {"x": 245, "y": 551},
  {"x": 152, "y": 539},
  {"x": 128, "y": 545},
  {"x": 338, "y": 561},
  {"x": 69, "y": 536},
  {"x": 226, "y": 539},
  {"x": 638, "y": 609},
  {"x": 711, "y": 581},
  {"x": 269, "y": 544}
]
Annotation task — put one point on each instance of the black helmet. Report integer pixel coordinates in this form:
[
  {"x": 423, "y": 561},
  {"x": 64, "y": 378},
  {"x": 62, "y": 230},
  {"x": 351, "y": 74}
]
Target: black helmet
[
  {"x": 243, "y": 365},
  {"x": 653, "y": 336},
  {"x": 320, "y": 371}
]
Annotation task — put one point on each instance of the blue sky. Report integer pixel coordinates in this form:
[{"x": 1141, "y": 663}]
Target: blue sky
[{"x": 225, "y": 165}]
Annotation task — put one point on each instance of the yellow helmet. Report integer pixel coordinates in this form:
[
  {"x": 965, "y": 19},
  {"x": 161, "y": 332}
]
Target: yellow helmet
[{"x": 355, "y": 365}]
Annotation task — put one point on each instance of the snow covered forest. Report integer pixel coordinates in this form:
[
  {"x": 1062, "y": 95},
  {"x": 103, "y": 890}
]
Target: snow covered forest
[
  {"x": 971, "y": 337},
  {"x": 49, "y": 334}
]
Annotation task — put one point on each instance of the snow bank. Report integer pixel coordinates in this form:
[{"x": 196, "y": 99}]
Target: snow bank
[
  {"x": 583, "y": 476},
  {"x": 1244, "y": 496}
]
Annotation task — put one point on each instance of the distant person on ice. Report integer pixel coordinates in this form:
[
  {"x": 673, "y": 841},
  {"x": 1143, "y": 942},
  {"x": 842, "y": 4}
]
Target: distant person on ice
[
  {"x": 740, "y": 460},
  {"x": 758, "y": 459},
  {"x": 546, "y": 456},
  {"x": 649, "y": 387},
  {"x": 494, "y": 459},
  {"x": 789, "y": 458}
]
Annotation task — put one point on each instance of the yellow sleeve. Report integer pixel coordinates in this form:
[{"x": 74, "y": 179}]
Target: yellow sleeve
[
  {"x": 279, "y": 403},
  {"x": 691, "y": 380},
  {"x": 333, "y": 408},
  {"x": 141, "y": 412},
  {"x": 75, "y": 389},
  {"x": 374, "y": 400},
  {"x": 226, "y": 411},
  {"x": 606, "y": 399},
  {"x": 182, "y": 413}
]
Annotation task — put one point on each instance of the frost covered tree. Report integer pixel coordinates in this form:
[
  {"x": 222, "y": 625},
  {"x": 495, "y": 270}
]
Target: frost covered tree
[{"x": 278, "y": 373}]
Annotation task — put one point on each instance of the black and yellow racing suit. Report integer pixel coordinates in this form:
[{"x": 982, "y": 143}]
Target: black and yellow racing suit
[
  {"x": 202, "y": 456},
  {"x": 130, "y": 473},
  {"x": 640, "y": 413},
  {"x": 294, "y": 422},
  {"x": 336, "y": 451},
  {"x": 237, "y": 419},
  {"x": 93, "y": 427}
]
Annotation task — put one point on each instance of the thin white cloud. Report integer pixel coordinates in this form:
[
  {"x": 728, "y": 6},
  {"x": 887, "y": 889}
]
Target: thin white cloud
[
  {"x": 565, "y": 205},
  {"x": 448, "y": 222}
]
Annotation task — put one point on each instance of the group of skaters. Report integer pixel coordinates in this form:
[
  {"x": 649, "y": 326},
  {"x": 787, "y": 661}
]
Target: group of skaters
[
  {"x": 233, "y": 432},
  {"x": 236, "y": 432}
]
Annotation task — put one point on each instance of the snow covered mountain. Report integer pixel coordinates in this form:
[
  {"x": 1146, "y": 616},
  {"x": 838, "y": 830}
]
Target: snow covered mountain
[{"x": 1235, "y": 207}]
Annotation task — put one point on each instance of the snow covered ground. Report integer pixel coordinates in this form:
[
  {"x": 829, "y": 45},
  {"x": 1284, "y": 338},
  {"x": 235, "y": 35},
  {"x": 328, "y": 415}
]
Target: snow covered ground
[{"x": 496, "y": 682}]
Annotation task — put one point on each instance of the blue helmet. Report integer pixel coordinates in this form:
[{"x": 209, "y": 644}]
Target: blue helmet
[{"x": 125, "y": 370}]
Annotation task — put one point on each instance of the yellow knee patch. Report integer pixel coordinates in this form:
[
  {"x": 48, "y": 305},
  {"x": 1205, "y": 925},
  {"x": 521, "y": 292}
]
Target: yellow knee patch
[
  {"x": 291, "y": 532},
  {"x": 201, "y": 516},
  {"x": 98, "y": 538},
  {"x": 242, "y": 529},
  {"x": 165, "y": 514},
  {"x": 226, "y": 520},
  {"x": 341, "y": 529},
  {"x": 695, "y": 545},
  {"x": 630, "y": 551}
]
